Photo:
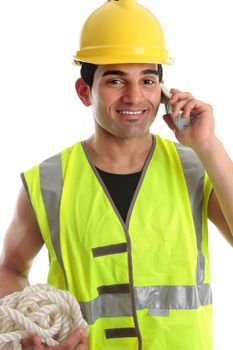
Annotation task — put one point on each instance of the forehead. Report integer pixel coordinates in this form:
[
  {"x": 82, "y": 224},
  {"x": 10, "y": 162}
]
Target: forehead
[{"x": 127, "y": 69}]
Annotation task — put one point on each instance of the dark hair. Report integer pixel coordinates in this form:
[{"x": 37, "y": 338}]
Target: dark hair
[{"x": 88, "y": 70}]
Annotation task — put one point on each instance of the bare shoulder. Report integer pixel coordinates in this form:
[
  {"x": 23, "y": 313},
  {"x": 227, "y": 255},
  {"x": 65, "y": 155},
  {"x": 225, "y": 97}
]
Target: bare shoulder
[{"x": 23, "y": 239}]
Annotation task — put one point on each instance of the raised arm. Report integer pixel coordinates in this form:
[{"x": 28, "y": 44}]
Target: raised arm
[
  {"x": 220, "y": 170},
  {"x": 21, "y": 244},
  {"x": 200, "y": 136}
]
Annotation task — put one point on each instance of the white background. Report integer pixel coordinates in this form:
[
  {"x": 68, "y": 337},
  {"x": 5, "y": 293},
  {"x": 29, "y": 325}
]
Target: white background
[{"x": 40, "y": 113}]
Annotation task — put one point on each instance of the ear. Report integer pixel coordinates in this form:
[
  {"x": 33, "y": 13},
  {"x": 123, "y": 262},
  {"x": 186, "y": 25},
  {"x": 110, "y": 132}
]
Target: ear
[{"x": 83, "y": 91}]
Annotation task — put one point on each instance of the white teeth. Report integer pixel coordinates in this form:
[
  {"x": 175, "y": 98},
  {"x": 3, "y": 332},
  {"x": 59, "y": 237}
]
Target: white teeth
[{"x": 131, "y": 112}]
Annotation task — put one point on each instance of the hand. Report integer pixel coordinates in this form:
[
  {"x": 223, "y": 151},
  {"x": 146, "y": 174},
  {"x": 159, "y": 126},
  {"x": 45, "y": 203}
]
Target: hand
[
  {"x": 77, "y": 341},
  {"x": 201, "y": 129}
]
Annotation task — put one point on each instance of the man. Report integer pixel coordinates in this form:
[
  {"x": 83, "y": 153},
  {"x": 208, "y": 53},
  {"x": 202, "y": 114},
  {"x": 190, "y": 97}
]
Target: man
[{"x": 124, "y": 213}]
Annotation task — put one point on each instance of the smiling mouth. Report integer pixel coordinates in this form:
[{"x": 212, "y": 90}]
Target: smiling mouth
[
  {"x": 131, "y": 113},
  {"x": 131, "y": 116}
]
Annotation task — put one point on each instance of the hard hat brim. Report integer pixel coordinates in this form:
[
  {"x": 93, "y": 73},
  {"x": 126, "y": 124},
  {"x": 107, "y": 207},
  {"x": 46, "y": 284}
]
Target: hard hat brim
[{"x": 121, "y": 55}]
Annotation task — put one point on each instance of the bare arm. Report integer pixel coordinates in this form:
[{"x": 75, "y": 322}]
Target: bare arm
[
  {"x": 200, "y": 136},
  {"x": 220, "y": 170},
  {"x": 215, "y": 214},
  {"x": 22, "y": 242}
]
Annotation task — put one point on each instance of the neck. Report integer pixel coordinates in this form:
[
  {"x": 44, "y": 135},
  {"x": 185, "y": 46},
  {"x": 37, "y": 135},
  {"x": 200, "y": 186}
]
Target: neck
[{"x": 118, "y": 155}]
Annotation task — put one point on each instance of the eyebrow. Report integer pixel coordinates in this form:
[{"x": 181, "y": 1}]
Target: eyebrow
[{"x": 122, "y": 73}]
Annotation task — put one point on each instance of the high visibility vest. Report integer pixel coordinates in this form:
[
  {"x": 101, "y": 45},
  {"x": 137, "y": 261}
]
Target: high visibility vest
[{"x": 143, "y": 284}]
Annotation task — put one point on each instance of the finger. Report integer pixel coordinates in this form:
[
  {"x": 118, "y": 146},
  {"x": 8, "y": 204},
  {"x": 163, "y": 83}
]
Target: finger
[
  {"x": 178, "y": 101},
  {"x": 82, "y": 347},
  {"x": 179, "y": 96},
  {"x": 77, "y": 341},
  {"x": 189, "y": 109},
  {"x": 193, "y": 108},
  {"x": 31, "y": 342},
  {"x": 184, "y": 106},
  {"x": 82, "y": 337}
]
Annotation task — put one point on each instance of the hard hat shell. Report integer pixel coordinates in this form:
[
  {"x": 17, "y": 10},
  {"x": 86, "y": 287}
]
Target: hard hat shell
[{"x": 122, "y": 31}]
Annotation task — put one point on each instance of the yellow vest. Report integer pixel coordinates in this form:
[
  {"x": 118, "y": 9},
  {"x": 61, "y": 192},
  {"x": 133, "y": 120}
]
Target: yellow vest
[{"x": 143, "y": 284}]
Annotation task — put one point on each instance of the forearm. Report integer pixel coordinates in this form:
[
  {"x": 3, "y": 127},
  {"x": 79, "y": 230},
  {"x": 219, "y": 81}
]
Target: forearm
[
  {"x": 219, "y": 167},
  {"x": 11, "y": 281}
]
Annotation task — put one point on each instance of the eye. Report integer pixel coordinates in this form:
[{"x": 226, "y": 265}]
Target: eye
[
  {"x": 114, "y": 82},
  {"x": 149, "y": 81}
]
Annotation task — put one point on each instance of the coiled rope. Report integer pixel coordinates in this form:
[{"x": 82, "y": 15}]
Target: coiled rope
[{"x": 51, "y": 313}]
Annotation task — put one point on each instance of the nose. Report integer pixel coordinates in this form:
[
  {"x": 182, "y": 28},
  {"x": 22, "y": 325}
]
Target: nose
[{"x": 132, "y": 94}]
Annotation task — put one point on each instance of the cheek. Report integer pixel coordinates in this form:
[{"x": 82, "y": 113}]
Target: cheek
[
  {"x": 153, "y": 97},
  {"x": 156, "y": 99},
  {"x": 100, "y": 110},
  {"x": 107, "y": 102}
]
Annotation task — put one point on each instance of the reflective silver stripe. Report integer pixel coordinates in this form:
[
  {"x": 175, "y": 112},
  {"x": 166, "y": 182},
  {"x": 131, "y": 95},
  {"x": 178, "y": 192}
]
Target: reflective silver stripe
[
  {"x": 107, "y": 305},
  {"x": 51, "y": 182},
  {"x": 194, "y": 177},
  {"x": 158, "y": 312},
  {"x": 173, "y": 297},
  {"x": 151, "y": 298}
]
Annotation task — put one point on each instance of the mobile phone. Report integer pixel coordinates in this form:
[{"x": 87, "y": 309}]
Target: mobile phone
[{"x": 180, "y": 122}]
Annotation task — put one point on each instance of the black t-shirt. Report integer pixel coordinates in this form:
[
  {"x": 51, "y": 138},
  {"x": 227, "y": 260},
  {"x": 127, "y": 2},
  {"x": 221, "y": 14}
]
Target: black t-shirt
[{"x": 121, "y": 188}]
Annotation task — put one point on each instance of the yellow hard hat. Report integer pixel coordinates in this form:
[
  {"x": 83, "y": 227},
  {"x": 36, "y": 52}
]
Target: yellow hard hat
[{"x": 122, "y": 31}]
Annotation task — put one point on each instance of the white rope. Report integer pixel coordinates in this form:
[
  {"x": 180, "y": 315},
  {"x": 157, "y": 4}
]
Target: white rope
[{"x": 40, "y": 309}]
